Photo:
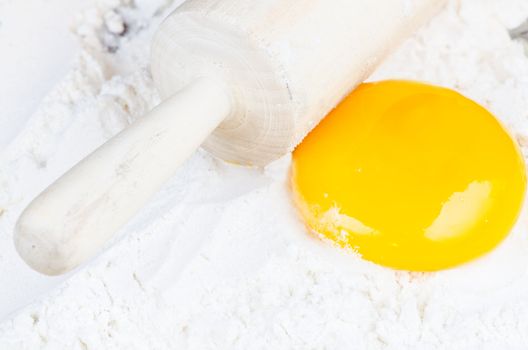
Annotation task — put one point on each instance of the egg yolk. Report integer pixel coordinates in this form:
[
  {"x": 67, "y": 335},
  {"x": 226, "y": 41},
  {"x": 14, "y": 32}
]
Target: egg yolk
[{"x": 410, "y": 176}]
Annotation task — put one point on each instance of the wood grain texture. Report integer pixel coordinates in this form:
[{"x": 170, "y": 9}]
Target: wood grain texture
[{"x": 288, "y": 62}]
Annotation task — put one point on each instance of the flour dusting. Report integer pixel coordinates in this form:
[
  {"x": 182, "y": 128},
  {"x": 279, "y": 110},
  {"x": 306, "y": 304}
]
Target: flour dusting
[{"x": 219, "y": 259}]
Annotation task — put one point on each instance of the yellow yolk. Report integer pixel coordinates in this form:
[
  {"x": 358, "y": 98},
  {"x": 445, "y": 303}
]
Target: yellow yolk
[{"x": 411, "y": 176}]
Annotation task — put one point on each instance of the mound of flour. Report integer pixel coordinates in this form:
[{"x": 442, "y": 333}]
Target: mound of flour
[{"x": 218, "y": 259}]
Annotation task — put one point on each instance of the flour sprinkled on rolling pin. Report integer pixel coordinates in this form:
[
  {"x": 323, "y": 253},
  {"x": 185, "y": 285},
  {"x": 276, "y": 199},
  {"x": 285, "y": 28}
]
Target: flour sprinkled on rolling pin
[{"x": 245, "y": 79}]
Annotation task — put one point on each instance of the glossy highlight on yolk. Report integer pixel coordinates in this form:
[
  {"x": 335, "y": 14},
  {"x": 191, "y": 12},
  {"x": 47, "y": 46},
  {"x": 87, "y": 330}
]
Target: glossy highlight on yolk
[{"x": 411, "y": 176}]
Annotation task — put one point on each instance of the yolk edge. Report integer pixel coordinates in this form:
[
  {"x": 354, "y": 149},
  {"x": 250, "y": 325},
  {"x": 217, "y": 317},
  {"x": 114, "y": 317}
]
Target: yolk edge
[{"x": 410, "y": 175}]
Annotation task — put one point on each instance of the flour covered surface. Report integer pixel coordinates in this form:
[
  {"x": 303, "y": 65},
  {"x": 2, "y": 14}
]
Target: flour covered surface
[{"x": 219, "y": 259}]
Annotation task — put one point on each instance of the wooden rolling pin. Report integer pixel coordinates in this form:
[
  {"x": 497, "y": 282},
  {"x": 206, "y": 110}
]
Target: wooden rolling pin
[{"x": 245, "y": 79}]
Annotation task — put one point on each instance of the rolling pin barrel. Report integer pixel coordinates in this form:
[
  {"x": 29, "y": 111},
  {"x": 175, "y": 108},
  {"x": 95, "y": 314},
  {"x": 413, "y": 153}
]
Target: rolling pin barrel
[{"x": 288, "y": 62}]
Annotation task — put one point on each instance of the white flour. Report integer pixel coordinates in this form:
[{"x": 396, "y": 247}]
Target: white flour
[{"x": 219, "y": 260}]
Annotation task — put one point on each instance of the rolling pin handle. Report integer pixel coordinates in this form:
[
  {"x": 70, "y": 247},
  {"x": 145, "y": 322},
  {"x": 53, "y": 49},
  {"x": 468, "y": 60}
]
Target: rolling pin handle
[{"x": 72, "y": 219}]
